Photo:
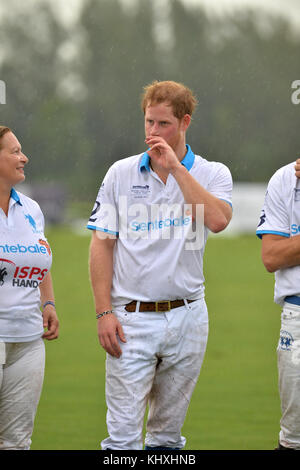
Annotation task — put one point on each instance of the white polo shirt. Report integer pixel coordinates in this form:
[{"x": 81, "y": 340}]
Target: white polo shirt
[
  {"x": 159, "y": 251},
  {"x": 280, "y": 215},
  {"x": 25, "y": 259}
]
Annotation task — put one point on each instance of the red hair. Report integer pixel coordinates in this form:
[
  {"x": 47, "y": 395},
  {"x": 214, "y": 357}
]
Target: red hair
[{"x": 177, "y": 95}]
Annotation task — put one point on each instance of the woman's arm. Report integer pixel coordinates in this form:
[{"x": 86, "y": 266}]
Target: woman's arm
[{"x": 50, "y": 320}]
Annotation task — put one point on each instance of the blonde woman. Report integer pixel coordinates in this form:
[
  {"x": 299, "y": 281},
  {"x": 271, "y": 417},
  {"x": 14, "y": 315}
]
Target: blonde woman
[{"x": 25, "y": 285}]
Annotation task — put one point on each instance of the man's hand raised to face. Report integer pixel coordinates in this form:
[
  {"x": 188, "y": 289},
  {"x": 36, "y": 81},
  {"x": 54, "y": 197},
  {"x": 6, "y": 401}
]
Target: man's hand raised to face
[
  {"x": 297, "y": 168},
  {"x": 162, "y": 154}
]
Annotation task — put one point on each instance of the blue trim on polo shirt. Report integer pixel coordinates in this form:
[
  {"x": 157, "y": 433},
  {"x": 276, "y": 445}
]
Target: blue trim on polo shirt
[
  {"x": 264, "y": 232},
  {"x": 14, "y": 195},
  {"x": 189, "y": 158},
  {"x": 145, "y": 162},
  {"x": 92, "y": 227},
  {"x": 228, "y": 202},
  {"x": 187, "y": 161}
]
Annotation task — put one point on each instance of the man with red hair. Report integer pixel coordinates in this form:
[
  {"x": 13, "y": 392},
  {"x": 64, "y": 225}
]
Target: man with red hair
[{"x": 150, "y": 224}]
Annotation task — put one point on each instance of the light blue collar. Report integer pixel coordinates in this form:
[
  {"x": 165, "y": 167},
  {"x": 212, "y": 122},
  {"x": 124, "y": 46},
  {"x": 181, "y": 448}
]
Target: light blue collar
[
  {"x": 188, "y": 160},
  {"x": 14, "y": 195}
]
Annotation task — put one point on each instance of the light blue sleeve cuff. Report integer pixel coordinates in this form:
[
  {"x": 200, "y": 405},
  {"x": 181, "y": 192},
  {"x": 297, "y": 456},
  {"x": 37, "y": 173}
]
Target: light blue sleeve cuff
[
  {"x": 228, "y": 202},
  {"x": 105, "y": 230},
  {"x": 259, "y": 233}
]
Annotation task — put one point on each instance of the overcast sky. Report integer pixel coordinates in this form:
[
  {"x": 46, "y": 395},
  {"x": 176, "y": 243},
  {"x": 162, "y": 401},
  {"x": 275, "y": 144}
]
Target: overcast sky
[{"x": 286, "y": 8}]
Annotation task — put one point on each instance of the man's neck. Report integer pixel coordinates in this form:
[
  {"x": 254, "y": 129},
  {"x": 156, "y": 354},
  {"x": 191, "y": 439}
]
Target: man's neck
[{"x": 181, "y": 151}]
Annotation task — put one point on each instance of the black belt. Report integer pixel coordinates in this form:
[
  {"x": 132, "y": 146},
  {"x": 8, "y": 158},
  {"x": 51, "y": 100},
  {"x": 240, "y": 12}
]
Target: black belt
[{"x": 161, "y": 306}]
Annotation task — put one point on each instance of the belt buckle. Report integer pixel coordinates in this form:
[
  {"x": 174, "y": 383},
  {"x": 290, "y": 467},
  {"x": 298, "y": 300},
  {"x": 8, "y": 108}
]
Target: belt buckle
[{"x": 163, "y": 302}]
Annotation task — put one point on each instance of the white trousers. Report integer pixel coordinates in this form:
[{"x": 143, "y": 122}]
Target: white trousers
[
  {"x": 288, "y": 353},
  {"x": 21, "y": 380},
  {"x": 159, "y": 366}
]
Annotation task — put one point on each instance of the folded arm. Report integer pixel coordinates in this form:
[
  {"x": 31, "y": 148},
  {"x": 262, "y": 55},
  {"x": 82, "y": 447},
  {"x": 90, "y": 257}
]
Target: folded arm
[
  {"x": 217, "y": 213},
  {"x": 280, "y": 252}
]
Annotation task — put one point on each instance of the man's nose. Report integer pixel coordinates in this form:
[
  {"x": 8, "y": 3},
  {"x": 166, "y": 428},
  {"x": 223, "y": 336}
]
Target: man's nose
[{"x": 154, "y": 129}]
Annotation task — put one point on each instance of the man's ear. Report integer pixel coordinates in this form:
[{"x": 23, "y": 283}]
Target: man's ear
[{"x": 186, "y": 121}]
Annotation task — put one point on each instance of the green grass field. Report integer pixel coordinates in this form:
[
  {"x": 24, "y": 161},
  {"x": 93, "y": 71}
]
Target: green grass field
[{"x": 235, "y": 405}]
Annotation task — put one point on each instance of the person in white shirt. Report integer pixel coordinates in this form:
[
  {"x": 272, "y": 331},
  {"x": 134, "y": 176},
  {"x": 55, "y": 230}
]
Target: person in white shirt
[
  {"x": 146, "y": 269},
  {"x": 279, "y": 229},
  {"x": 25, "y": 285}
]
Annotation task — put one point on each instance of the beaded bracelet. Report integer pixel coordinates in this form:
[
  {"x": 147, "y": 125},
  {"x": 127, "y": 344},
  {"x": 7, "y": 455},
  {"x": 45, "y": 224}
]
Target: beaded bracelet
[
  {"x": 49, "y": 302},
  {"x": 99, "y": 315}
]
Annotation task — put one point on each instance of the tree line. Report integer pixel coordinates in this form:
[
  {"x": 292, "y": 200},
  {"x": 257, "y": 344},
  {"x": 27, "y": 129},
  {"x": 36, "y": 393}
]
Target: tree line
[{"x": 73, "y": 91}]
